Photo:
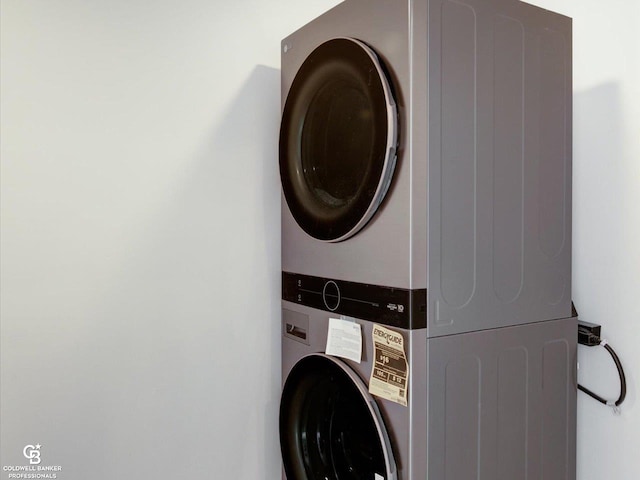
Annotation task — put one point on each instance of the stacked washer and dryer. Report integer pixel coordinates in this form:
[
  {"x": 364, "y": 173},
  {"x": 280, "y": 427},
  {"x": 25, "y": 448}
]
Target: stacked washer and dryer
[{"x": 425, "y": 159}]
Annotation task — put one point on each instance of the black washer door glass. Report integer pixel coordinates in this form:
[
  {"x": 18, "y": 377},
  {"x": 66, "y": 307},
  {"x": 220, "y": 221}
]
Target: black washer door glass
[
  {"x": 327, "y": 431},
  {"x": 334, "y": 140},
  {"x": 337, "y": 141}
]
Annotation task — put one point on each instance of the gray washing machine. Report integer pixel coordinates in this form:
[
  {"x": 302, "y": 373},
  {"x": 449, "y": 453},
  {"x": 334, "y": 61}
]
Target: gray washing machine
[
  {"x": 425, "y": 159},
  {"x": 497, "y": 404}
]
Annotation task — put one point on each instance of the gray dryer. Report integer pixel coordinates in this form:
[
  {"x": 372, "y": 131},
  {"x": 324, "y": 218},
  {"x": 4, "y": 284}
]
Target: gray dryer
[{"x": 425, "y": 159}]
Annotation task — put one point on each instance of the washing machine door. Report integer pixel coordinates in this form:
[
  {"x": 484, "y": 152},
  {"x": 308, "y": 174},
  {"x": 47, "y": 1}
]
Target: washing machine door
[
  {"x": 330, "y": 426},
  {"x": 338, "y": 140}
]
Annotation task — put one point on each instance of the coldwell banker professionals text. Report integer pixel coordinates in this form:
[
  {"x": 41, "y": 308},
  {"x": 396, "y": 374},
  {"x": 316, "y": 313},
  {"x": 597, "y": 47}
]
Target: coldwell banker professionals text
[
  {"x": 32, "y": 471},
  {"x": 33, "y": 453}
]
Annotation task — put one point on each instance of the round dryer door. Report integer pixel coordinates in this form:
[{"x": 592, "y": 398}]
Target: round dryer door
[
  {"x": 337, "y": 140},
  {"x": 330, "y": 427}
]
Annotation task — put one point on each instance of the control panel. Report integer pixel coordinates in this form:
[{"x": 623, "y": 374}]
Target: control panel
[{"x": 396, "y": 307}]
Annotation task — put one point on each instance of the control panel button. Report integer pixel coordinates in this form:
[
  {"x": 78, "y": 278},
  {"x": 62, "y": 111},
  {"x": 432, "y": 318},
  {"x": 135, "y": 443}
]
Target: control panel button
[{"x": 331, "y": 295}]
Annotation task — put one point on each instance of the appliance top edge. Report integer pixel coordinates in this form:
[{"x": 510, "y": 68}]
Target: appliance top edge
[
  {"x": 297, "y": 31},
  {"x": 546, "y": 11}
]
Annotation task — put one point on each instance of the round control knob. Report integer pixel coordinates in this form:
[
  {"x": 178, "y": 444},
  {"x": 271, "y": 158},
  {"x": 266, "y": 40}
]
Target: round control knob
[{"x": 331, "y": 295}]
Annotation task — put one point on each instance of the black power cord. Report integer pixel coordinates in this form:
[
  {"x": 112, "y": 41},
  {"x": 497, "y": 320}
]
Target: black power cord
[{"x": 589, "y": 335}]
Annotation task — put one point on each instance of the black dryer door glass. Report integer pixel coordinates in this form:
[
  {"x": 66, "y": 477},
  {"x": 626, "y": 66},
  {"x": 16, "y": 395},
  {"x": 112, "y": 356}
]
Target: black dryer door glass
[
  {"x": 337, "y": 140},
  {"x": 330, "y": 428}
]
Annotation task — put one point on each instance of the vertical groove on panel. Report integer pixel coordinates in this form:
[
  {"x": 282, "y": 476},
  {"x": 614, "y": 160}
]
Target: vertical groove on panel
[
  {"x": 552, "y": 163},
  {"x": 512, "y": 409},
  {"x": 508, "y": 161},
  {"x": 555, "y": 435},
  {"x": 458, "y": 162},
  {"x": 462, "y": 419}
]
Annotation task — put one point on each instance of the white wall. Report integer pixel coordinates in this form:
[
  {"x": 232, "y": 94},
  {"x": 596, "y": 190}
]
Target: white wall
[
  {"x": 140, "y": 235},
  {"x": 140, "y": 232}
]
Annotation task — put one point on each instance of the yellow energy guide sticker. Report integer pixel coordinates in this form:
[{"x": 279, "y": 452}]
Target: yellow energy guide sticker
[{"x": 390, "y": 371}]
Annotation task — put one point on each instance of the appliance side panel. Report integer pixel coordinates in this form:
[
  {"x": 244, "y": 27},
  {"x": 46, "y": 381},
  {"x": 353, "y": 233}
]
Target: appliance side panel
[
  {"x": 502, "y": 403},
  {"x": 499, "y": 185},
  {"x": 507, "y": 200},
  {"x": 555, "y": 400},
  {"x": 462, "y": 417},
  {"x": 456, "y": 103},
  {"x": 457, "y": 413},
  {"x": 511, "y": 420}
]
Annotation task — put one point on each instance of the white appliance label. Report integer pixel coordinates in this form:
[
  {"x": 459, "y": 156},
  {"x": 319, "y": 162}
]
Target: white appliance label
[
  {"x": 390, "y": 370},
  {"x": 344, "y": 339}
]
